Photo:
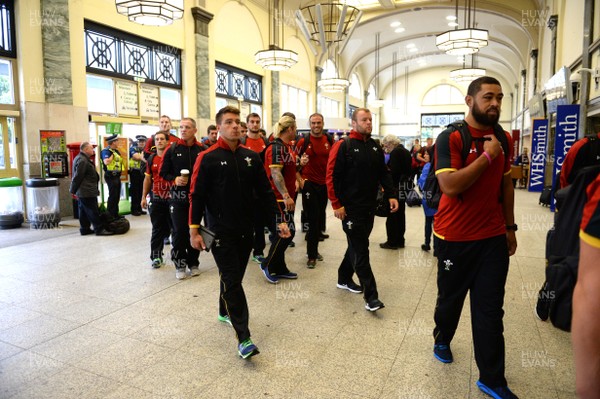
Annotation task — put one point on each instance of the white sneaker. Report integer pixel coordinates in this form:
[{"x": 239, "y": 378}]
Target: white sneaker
[
  {"x": 180, "y": 274},
  {"x": 194, "y": 271}
]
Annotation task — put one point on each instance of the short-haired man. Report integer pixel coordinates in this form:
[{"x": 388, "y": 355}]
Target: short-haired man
[
  {"x": 178, "y": 161},
  {"x": 158, "y": 206},
  {"x": 112, "y": 161},
  {"x": 312, "y": 183},
  {"x": 476, "y": 227},
  {"x": 243, "y": 129},
  {"x": 355, "y": 169},
  {"x": 211, "y": 136},
  {"x": 225, "y": 180},
  {"x": 85, "y": 186},
  {"x": 256, "y": 143},
  {"x": 164, "y": 125}
]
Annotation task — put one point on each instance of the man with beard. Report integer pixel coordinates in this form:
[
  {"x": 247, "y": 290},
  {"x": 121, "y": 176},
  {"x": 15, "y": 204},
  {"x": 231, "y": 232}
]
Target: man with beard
[
  {"x": 355, "y": 169},
  {"x": 476, "y": 227}
]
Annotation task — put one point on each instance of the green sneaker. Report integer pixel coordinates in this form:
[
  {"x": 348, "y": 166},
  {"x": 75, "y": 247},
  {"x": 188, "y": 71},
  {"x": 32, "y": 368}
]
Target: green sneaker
[
  {"x": 224, "y": 319},
  {"x": 247, "y": 349}
]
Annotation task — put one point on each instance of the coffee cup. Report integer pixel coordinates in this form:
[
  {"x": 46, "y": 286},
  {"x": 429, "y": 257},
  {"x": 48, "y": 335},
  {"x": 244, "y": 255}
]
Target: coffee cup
[{"x": 184, "y": 173}]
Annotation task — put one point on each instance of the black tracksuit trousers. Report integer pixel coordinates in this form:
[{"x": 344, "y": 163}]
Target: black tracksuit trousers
[{"x": 480, "y": 267}]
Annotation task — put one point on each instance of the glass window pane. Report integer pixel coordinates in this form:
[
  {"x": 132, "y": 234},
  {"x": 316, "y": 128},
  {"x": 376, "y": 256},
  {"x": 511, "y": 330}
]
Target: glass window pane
[
  {"x": 2, "y": 162},
  {"x": 170, "y": 103},
  {"x": 7, "y": 89},
  {"x": 100, "y": 95},
  {"x": 12, "y": 143}
]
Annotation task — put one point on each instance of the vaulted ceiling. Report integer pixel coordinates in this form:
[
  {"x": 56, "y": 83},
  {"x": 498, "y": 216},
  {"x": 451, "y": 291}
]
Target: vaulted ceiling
[{"x": 513, "y": 27}]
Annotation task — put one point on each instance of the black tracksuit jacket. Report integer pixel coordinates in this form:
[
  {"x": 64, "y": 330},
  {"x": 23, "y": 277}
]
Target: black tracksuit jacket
[{"x": 224, "y": 182}]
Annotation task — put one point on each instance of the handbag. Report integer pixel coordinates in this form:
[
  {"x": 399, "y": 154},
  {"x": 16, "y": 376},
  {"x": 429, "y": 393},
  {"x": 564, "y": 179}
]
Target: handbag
[
  {"x": 208, "y": 237},
  {"x": 413, "y": 198},
  {"x": 382, "y": 208}
]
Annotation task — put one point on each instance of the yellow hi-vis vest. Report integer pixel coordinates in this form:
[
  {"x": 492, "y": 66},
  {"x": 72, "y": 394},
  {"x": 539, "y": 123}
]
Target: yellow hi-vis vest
[
  {"x": 133, "y": 164},
  {"x": 117, "y": 162}
]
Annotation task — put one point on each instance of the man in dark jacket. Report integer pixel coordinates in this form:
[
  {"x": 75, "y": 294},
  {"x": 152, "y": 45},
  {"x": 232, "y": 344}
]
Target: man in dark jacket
[
  {"x": 85, "y": 186},
  {"x": 355, "y": 169},
  {"x": 225, "y": 180},
  {"x": 178, "y": 161},
  {"x": 400, "y": 167}
]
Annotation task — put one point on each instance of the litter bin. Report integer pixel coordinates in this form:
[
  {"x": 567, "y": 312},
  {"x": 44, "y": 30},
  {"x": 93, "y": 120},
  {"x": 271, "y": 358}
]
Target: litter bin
[
  {"x": 43, "y": 206},
  {"x": 11, "y": 202}
]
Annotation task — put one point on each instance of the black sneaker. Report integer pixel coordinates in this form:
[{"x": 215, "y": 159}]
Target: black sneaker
[
  {"x": 104, "y": 232},
  {"x": 386, "y": 245},
  {"x": 354, "y": 288},
  {"x": 443, "y": 353},
  {"x": 292, "y": 244},
  {"x": 426, "y": 247},
  {"x": 374, "y": 305},
  {"x": 323, "y": 236},
  {"x": 497, "y": 392}
]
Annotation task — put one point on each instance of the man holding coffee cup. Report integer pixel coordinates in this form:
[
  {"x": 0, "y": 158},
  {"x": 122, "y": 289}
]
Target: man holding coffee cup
[{"x": 178, "y": 160}]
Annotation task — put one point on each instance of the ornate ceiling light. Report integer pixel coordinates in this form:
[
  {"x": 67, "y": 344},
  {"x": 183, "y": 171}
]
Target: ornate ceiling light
[
  {"x": 276, "y": 58},
  {"x": 463, "y": 41},
  {"x": 467, "y": 74},
  {"x": 151, "y": 12},
  {"x": 328, "y": 24}
]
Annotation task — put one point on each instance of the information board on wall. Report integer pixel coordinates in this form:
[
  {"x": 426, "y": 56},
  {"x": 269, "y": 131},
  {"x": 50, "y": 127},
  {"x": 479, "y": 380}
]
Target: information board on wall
[
  {"x": 127, "y": 98},
  {"x": 149, "y": 101}
]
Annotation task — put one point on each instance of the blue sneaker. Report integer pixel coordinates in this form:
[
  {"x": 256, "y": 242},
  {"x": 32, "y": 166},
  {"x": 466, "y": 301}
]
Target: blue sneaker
[
  {"x": 270, "y": 278},
  {"x": 497, "y": 392},
  {"x": 258, "y": 259},
  {"x": 288, "y": 275},
  {"x": 247, "y": 349},
  {"x": 443, "y": 353},
  {"x": 225, "y": 319}
]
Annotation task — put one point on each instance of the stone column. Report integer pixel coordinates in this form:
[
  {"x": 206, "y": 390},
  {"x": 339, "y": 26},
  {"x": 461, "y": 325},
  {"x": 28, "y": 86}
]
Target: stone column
[
  {"x": 203, "y": 73},
  {"x": 56, "y": 51},
  {"x": 534, "y": 62},
  {"x": 275, "y": 104},
  {"x": 318, "y": 73},
  {"x": 553, "y": 25}
]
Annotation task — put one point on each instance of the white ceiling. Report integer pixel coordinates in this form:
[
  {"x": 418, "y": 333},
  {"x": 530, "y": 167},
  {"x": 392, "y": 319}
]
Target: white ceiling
[{"x": 511, "y": 38}]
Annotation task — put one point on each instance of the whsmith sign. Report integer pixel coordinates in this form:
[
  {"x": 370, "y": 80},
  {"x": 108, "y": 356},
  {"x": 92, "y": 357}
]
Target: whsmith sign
[
  {"x": 567, "y": 127},
  {"x": 539, "y": 144}
]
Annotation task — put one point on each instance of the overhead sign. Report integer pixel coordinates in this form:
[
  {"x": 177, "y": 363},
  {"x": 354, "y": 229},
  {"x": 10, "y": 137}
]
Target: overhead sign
[
  {"x": 127, "y": 98},
  {"x": 149, "y": 101}
]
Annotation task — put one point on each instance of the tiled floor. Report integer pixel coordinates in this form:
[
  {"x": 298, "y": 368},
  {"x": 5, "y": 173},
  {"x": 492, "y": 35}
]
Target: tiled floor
[{"x": 87, "y": 317}]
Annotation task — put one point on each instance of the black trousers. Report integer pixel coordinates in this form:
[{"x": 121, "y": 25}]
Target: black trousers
[
  {"x": 231, "y": 255},
  {"x": 182, "y": 253},
  {"x": 275, "y": 261},
  {"x": 357, "y": 227},
  {"x": 259, "y": 244},
  {"x": 136, "y": 181},
  {"x": 480, "y": 267},
  {"x": 395, "y": 225},
  {"x": 89, "y": 213},
  {"x": 114, "y": 193},
  {"x": 160, "y": 218},
  {"x": 314, "y": 202}
]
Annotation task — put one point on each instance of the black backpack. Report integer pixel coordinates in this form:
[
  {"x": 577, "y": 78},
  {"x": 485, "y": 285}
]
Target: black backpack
[
  {"x": 588, "y": 154},
  {"x": 555, "y": 299},
  {"x": 431, "y": 189}
]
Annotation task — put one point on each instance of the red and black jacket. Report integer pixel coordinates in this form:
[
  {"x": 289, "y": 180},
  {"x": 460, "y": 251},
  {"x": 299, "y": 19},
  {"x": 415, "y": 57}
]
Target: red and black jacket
[
  {"x": 355, "y": 169},
  {"x": 177, "y": 157},
  {"x": 224, "y": 183}
]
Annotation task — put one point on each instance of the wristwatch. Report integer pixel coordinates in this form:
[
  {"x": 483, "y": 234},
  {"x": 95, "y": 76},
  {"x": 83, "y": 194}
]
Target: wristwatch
[{"x": 513, "y": 227}]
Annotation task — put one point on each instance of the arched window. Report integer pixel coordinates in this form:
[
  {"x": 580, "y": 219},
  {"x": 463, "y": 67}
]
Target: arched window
[
  {"x": 443, "y": 94},
  {"x": 355, "y": 90},
  {"x": 329, "y": 70},
  {"x": 372, "y": 95}
]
